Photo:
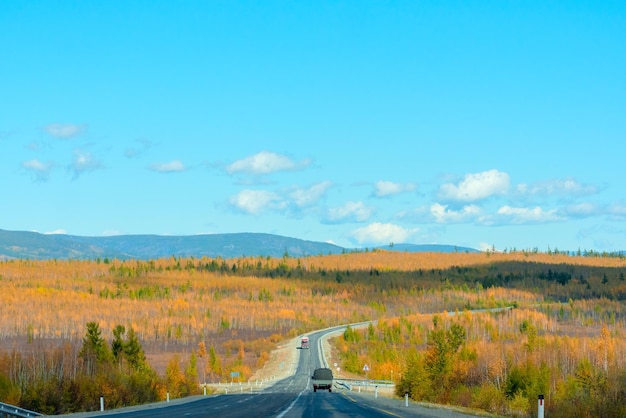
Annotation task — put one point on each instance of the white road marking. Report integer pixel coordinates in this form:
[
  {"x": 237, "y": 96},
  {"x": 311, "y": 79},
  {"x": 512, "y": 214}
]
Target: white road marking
[{"x": 282, "y": 414}]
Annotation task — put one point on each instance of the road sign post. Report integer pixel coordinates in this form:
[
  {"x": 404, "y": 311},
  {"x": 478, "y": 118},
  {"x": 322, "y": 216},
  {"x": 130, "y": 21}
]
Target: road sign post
[
  {"x": 233, "y": 375},
  {"x": 366, "y": 369}
]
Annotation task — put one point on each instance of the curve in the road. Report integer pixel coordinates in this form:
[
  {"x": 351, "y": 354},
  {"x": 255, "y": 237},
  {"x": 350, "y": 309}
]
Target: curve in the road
[{"x": 291, "y": 397}]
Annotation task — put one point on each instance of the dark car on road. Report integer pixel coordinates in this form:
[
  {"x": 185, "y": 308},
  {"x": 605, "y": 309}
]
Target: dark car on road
[{"x": 322, "y": 379}]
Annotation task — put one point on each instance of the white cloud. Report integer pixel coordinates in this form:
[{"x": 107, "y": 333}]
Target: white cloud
[
  {"x": 380, "y": 233},
  {"x": 111, "y": 233},
  {"x": 310, "y": 196},
  {"x": 485, "y": 247},
  {"x": 388, "y": 188},
  {"x": 582, "y": 209},
  {"x": 255, "y": 201},
  {"x": 557, "y": 187},
  {"x": 64, "y": 130},
  {"x": 36, "y": 165},
  {"x": 171, "y": 167},
  {"x": 83, "y": 162},
  {"x": 36, "y": 146},
  {"x": 40, "y": 169},
  {"x": 421, "y": 214},
  {"x": 508, "y": 214},
  {"x": 350, "y": 211},
  {"x": 443, "y": 215},
  {"x": 264, "y": 163},
  {"x": 618, "y": 210},
  {"x": 476, "y": 186},
  {"x": 56, "y": 232},
  {"x": 133, "y": 152}
]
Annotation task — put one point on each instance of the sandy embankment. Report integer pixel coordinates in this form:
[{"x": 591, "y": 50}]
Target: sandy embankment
[{"x": 282, "y": 363}]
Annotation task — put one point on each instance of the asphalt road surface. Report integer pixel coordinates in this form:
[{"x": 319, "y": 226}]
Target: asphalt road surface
[{"x": 292, "y": 397}]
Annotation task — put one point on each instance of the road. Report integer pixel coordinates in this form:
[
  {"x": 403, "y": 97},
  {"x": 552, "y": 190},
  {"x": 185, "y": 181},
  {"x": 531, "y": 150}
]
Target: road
[{"x": 292, "y": 397}]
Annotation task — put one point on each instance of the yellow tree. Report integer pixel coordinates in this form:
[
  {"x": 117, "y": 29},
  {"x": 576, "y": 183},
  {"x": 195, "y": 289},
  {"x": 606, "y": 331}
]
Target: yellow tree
[
  {"x": 605, "y": 349},
  {"x": 201, "y": 352},
  {"x": 175, "y": 379}
]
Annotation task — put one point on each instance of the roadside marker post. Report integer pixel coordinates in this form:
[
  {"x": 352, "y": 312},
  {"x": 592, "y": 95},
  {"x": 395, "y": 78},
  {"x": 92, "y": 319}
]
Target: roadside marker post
[
  {"x": 540, "y": 405},
  {"x": 366, "y": 369}
]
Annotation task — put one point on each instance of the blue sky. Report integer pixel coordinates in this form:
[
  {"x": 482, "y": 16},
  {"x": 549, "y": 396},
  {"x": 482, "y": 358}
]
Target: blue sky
[{"x": 488, "y": 124}]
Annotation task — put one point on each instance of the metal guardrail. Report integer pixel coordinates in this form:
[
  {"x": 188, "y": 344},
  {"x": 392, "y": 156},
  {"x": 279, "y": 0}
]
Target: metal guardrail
[
  {"x": 362, "y": 382},
  {"x": 13, "y": 411},
  {"x": 343, "y": 385},
  {"x": 349, "y": 384}
]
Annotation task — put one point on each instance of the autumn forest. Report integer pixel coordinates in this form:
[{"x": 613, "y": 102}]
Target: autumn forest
[{"x": 138, "y": 329}]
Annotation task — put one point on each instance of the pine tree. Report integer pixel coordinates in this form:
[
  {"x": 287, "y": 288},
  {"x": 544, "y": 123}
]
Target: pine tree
[
  {"x": 95, "y": 351},
  {"x": 117, "y": 346},
  {"x": 133, "y": 351}
]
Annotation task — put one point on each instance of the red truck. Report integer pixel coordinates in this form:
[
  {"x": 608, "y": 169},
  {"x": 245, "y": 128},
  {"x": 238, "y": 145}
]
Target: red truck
[{"x": 304, "y": 342}]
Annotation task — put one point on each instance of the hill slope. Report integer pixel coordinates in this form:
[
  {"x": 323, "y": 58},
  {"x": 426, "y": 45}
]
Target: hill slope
[{"x": 36, "y": 246}]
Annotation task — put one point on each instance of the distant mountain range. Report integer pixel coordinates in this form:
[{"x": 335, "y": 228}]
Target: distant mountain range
[{"x": 36, "y": 246}]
